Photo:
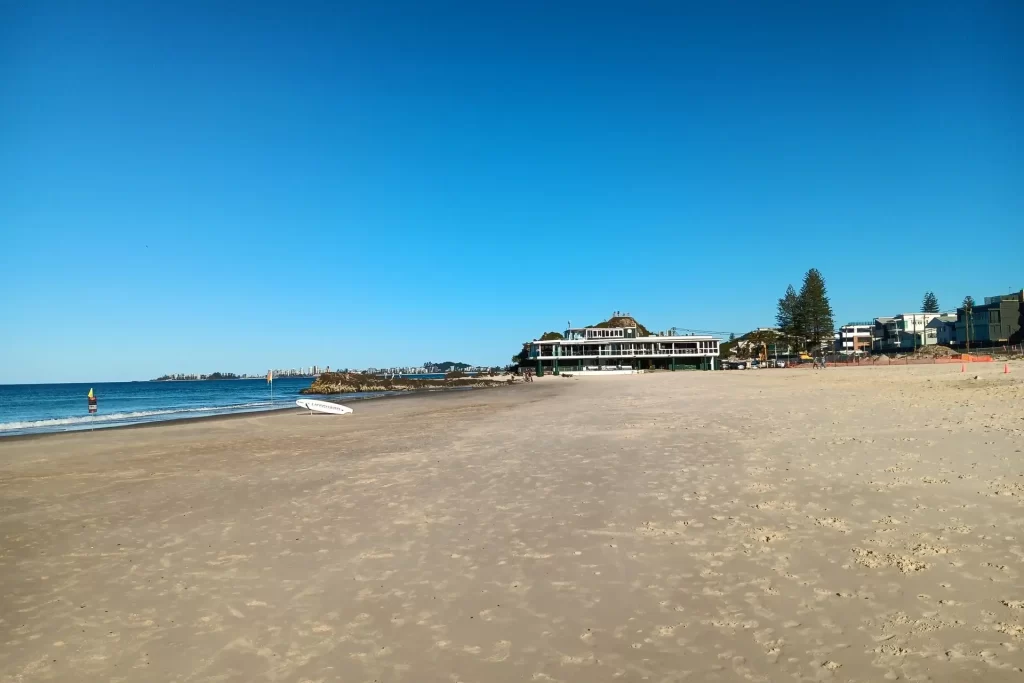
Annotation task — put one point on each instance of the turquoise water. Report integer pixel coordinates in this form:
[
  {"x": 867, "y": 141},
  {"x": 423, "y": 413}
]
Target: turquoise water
[{"x": 39, "y": 408}]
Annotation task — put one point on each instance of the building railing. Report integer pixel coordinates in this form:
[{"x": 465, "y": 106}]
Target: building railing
[{"x": 608, "y": 353}]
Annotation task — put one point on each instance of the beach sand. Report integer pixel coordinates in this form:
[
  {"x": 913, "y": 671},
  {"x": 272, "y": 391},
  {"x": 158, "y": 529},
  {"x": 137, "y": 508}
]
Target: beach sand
[{"x": 851, "y": 524}]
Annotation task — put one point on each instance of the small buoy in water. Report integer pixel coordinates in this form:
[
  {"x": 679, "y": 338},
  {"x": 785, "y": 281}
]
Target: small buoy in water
[{"x": 92, "y": 402}]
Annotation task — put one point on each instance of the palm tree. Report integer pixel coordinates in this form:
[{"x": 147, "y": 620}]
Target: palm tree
[{"x": 969, "y": 314}]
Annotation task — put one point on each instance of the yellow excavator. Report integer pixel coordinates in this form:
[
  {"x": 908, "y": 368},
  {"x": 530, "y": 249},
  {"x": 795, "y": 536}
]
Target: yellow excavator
[{"x": 760, "y": 342}]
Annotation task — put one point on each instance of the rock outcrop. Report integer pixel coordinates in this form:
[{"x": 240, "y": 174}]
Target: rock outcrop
[{"x": 351, "y": 383}]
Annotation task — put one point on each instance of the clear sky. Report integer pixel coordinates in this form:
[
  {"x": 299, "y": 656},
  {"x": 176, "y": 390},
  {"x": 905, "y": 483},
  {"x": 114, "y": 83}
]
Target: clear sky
[{"x": 203, "y": 186}]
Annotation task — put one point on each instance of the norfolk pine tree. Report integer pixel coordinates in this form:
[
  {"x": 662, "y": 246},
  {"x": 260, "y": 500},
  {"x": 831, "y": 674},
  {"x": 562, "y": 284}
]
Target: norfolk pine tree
[
  {"x": 787, "y": 315},
  {"x": 814, "y": 310}
]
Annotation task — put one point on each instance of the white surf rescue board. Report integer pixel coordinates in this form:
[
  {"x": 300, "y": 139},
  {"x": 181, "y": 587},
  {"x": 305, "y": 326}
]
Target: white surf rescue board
[{"x": 323, "y": 407}]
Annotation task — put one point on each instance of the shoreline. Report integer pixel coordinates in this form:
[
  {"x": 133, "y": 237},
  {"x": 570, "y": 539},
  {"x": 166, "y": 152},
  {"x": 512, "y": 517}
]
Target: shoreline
[{"x": 244, "y": 414}]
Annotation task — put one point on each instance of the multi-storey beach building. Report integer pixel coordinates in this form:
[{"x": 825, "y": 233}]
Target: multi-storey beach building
[
  {"x": 608, "y": 349},
  {"x": 854, "y": 338}
]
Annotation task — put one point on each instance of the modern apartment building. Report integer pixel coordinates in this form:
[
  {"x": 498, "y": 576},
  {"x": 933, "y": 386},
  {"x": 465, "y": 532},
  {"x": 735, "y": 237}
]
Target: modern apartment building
[
  {"x": 904, "y": 332},
  {"x": 854, "y": 338},
  {"x": 997, "y": 321}
]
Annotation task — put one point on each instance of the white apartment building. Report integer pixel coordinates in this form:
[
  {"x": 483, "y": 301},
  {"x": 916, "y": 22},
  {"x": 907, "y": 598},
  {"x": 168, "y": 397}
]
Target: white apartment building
[
  {"x": 855, "y": 338},
  {"x": 906, "y": 331}
]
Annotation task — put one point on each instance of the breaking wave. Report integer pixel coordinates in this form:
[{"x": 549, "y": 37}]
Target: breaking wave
[{"x": 111, "y": 419}]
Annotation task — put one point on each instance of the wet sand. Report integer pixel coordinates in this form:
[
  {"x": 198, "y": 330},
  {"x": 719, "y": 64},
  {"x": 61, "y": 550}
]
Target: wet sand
[{"x": 850, "y": 524}]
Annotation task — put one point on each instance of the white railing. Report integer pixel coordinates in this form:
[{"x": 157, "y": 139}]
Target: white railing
[{"x": 607, "y": 353}]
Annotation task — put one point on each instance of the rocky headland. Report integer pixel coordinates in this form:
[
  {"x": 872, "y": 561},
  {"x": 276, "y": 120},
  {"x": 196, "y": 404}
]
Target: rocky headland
[{"x": 350, "y": 383}]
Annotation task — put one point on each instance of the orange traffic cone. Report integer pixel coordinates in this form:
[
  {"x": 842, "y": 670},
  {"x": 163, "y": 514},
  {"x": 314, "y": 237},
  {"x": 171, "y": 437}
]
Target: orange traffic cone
[
  {"x": 961, "y": 367},
  {"x": 1006, "y": 368}
]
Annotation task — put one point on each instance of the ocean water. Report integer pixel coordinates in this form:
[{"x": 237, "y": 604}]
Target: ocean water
[{"x": 37, "y": 408}]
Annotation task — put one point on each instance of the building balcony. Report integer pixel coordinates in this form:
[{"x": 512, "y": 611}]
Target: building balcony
[{"x": 630, "y": 353}]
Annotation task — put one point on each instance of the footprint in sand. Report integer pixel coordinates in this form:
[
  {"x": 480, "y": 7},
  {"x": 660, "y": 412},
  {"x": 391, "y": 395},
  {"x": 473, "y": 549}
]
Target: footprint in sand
[
  {"x": 875, "y": 560},
  {"x": 501, "y": 651},
  {"x": 833, "y": 523},
  {"x": 924, "y": 549}
]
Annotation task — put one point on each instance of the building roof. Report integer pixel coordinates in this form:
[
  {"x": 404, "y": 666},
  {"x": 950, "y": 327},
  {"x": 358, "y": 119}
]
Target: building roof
[
  {"x": 1011, "y": 296},
  {"x": 596, "y": 327}
]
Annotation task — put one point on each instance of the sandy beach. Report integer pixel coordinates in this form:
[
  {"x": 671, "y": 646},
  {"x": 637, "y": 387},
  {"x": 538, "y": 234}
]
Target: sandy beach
[{"x": 859, "y": 524}]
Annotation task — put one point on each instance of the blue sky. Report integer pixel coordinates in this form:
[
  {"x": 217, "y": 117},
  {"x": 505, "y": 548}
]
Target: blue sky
[{"x": 232, "y": 186}]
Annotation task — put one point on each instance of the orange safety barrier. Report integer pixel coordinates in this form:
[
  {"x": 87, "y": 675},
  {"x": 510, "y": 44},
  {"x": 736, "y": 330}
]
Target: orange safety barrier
[{"x": 876, "y": 362}]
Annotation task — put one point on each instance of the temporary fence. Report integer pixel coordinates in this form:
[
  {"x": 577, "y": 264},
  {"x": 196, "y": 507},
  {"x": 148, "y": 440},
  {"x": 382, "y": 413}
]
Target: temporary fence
[
  {"x": 986, "y": 354},
  {"x": 882, "y": 361},
  {"x": 1001, "y": 350}
]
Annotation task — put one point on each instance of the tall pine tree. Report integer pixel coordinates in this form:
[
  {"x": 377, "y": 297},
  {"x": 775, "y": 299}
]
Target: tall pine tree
[
  {"x": 930, "y": 304},
  {"x": 788, "y": 314},
  {"x": 814, "y": 313}
]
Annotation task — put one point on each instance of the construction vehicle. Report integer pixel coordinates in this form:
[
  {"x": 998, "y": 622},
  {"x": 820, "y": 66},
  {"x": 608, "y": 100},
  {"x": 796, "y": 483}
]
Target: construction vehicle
[{"x": 757, "y": 344}]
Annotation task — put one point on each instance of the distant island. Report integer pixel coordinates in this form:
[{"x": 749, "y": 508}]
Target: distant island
[
  {"x": 189, "y": 378},
  {"x": 446, "y": 366}
]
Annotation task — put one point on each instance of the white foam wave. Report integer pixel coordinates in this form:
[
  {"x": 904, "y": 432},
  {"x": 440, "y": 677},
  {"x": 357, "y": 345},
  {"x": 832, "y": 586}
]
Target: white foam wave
[{"x": 136, "y": 416}]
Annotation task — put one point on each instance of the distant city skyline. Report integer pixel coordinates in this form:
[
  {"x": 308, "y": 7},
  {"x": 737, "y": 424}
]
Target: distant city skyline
[
  {"x": 314, "y": 370},
  {"x": 376, "y": 183}
]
